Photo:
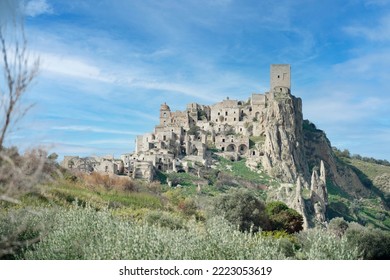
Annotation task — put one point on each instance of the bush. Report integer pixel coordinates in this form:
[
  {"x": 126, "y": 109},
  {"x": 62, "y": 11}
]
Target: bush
[
  {"x": 84, "y": 233},
  {"x": 243, "y": 209},
  {"x": 319, "y": 244},
  {"x": 283, "y": 218},
  {"x": 374, "y": 244},
  {"x": 338, "y": 226},
  {"x": 164, "y": 219}
]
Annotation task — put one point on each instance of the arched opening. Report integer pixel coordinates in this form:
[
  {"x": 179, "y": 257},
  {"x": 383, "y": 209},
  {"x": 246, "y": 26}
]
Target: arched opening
[
  {"x": 194, "y": 151},
  {"x": 159, "y": 167},
  {"x": 242, "y": 149},
  {"x": 181, "y": 171},
  {"x": 231, "y": 148}
]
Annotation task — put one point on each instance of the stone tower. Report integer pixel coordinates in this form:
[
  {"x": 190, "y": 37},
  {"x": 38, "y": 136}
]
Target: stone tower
[
  {"x": 165, "y": 114},
  {"x": 280, "y": 78}
]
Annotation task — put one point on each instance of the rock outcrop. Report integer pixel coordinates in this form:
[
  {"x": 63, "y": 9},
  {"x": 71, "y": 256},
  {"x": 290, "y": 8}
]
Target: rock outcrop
[
  {"x": 299, "y": 204},
  {"x": 319, "y": 194},
  {"x": 317, "y": 148},
  {"x": 284, "y": 154}
]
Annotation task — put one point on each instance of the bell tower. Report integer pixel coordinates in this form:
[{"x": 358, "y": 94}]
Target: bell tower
[{"x": 165, "y": 114}]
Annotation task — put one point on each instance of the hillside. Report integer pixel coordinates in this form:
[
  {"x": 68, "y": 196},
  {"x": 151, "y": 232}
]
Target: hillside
[
  {"x": 368, "y": 209},
  {"x": 230, "y": 178}
]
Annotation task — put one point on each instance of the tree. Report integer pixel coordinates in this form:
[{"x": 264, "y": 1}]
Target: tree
[
  {"x": 243, "y": 209},
  {"x": 283, "y": 218},
  {"x": 18, "y": 71},
  {"x": 18, "y": 174}
]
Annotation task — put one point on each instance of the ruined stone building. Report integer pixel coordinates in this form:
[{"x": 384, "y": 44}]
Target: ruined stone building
[
  {"x": 105, "y": 165},
  {"x": 227, "y": 127}
]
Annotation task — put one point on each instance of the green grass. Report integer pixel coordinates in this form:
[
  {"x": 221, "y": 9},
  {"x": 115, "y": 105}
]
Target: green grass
[
  {"x": 184, "y": 179},
  {"x": 371, "y": 170},
  {"x": 240, "y": 170},
  {"x": 67, "y": 193}
]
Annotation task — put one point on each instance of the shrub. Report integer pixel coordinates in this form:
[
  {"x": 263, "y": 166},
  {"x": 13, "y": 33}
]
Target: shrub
[
  {"x": 283, "y": 218},
  {"x": 338, "y": 226},
  {"x": 84, "y": 233},
  {"x": 319, "y": 244},
  {"x": 188, "y": 206},
  {"x": 164, "y": 219},
  {"x": 243, "y": 209},
  {"x": 374, "y": 244}
]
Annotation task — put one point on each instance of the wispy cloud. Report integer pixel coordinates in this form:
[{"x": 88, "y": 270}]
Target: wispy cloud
[
  {"x": 72, "y": 66},
  {"x": 94, "y": 129},
  {"x": 378, "y": 32},
  {"x": 35, "y": 8}
]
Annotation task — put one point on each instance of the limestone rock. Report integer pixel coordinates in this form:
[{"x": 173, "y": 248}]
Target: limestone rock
[
  {"x": 319, "y": 194},
  {"x": 318, "y": 148},
  {"x": 284, "y": 155},
  {"x": 299, "y": 204}
]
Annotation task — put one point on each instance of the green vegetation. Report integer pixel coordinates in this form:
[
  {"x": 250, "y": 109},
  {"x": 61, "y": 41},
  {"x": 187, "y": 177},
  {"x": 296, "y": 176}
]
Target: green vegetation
[
  {"x": 372, "y": 243},
  {"x": 240, "y": 170},
  {"x": 283, "y": 218},
  {"x": 369, "y": 210},
  {"x": 221, "y": 215},
  {"x": 243, "y": 209},
  {"x": 84, "y": 233},
  {"x": 256, "y": 139}
]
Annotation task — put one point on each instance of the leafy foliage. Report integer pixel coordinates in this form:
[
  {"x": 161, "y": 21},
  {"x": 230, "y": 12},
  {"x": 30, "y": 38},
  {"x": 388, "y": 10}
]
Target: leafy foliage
[
  {"x": 84, "y": 233},
  {"x": 283, "y": 218},
  {"x": 373, "y": 243},
  {"x": 242, "y": 209}
]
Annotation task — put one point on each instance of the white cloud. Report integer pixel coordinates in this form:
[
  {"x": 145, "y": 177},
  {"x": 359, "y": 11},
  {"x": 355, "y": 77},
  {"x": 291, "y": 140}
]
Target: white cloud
[
  {"x": 72, "y": 66},
  {"x": 80, "y": 68},
  {"x": 81, "y": 128},
  {"x": 380, "y": 32},
  {"x": 35, "y": 8}
]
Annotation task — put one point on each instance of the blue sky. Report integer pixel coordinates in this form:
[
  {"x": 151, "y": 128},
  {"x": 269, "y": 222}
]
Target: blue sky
[{"x": 107, "y": 65}]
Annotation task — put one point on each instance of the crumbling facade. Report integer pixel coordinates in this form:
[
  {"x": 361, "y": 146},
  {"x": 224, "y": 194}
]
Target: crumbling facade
[
  {"x": 228, "y": 126},
  {"x": 106, "y": 165},
  {"x": 234, "y": 128}
]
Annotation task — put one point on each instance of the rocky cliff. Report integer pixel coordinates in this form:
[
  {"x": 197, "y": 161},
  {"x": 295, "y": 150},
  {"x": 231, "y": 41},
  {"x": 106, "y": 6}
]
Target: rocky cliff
[
  {"x": 317, "y": 148},
  {"x": 284, "y": 153},
  {"x": 293, "y": 149}
]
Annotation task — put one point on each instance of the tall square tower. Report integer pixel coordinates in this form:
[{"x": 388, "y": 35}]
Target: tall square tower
[{"x": 280, "y": 76}]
